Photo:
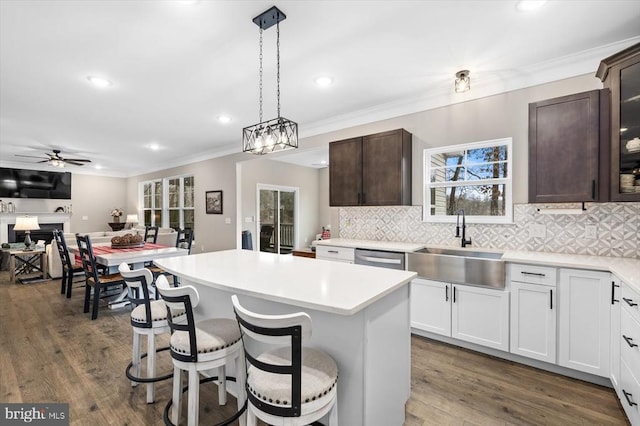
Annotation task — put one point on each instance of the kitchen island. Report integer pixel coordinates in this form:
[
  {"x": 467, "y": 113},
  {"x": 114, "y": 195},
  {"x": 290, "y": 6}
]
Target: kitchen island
[{"x": 360, "y": 316}]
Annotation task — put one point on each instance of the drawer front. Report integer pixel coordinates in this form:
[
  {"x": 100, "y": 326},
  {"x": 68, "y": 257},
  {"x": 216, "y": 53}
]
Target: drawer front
[
  {"x": 630, "y": 394},
  {"x": 630, "y": 302},
  {"x": 533, "y": 274},
  {"x": 630, "y": 342},
  {"x": 335, "y": 253}
]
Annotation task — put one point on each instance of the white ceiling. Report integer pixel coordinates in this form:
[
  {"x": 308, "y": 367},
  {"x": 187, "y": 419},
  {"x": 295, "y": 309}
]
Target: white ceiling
[{"x": 177, "y": 65}]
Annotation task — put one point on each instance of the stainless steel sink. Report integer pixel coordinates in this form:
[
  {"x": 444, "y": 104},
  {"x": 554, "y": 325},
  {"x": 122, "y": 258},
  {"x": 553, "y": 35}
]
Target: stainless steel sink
[{"x": 479, "y": 268}]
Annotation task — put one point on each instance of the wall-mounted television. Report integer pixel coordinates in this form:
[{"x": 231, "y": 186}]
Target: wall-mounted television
[{"x": 22, "y": 183}]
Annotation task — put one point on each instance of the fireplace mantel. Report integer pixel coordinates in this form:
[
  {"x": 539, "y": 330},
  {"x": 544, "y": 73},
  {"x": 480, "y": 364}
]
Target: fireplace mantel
[{"x": 7, "y": 219}]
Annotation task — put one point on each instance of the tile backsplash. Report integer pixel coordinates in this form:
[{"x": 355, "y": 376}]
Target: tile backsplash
[{"x": 604, "y": 229}]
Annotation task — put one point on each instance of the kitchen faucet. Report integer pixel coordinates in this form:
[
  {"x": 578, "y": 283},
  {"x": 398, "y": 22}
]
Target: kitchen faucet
[{"x": 465, "y": 242}]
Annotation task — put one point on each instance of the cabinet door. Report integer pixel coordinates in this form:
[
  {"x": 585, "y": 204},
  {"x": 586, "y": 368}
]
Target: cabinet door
[
  {"x": 481, "y": 316},
  {"x": 533, "y": 321},
  {"x": 615, "y": 333},
  {"x": 345, "y": 172},
  {"x": 431, "y": 306},
  {"x": 564, "y": 139},
  {"x": 386, "y": 169},
  {"x": 584, "y": 316}
]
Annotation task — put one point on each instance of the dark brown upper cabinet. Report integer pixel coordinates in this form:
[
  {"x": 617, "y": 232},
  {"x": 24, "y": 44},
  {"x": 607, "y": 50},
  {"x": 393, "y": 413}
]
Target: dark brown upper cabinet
[
  {"x": 621, "y": 74},
  {"x": 568, "y": 147},
  {"x": 373, "y": 170}
]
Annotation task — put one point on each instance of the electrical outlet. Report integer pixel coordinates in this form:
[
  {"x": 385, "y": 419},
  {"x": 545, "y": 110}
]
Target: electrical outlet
[
  {"x": 85, "y": 217},
  {"x": 591, "y": 232},
  {"x": 247, "y": 219},
  {"x": 537, "y": 230},
  {"x": 227, "y": 220}
]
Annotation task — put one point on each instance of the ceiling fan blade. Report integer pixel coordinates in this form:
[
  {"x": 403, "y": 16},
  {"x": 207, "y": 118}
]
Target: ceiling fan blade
[
  {"x": 28, "y": 156},
  {"x": 75, "y": 163},
  {"x": 76, "y": 159},
  {"x": 44, "y": 161}
]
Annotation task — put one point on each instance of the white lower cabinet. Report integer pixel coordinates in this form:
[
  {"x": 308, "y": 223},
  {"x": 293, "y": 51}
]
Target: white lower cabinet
[
  {"x": 336, "y": 254},
  {"x": 481, "y": 316},
  {"x": 468, "y": 313},
  {"x": 533, "y": 321},
  {"x": 627, "y": 383},
  {"x": 616, "y": 297},
  {"x": 584, "y": 321},
  {"x": 431, "y": 306}
]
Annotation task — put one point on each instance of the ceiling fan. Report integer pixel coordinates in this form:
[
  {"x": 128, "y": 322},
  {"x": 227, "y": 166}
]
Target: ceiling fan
[{"x": 56, "y": 160}]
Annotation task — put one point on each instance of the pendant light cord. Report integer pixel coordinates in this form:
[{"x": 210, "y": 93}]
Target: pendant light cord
[
  {"x": 260, "y": 121},
  {"x": 278, "y": 62}
]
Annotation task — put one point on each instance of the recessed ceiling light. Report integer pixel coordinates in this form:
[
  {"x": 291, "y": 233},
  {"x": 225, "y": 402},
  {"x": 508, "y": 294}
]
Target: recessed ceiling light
[
  {"x": 224, "y": 119},
  {"x": 324, "y": 81},
  {"x": 529, "y": 5},
  {"x": 99, "y": 81},
  {"x": 97, "y": 167},
  {"x": 153, "y": 146}
]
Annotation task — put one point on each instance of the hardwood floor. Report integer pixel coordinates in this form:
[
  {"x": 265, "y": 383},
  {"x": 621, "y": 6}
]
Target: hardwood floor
[{"x": 52, "y": 352}]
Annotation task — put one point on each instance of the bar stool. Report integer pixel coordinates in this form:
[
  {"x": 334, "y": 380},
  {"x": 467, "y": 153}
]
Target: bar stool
[
  {"x": 148, "y": 317},
  {"x": 291, "y": 384},
  {"x": 199, "y": 346}
]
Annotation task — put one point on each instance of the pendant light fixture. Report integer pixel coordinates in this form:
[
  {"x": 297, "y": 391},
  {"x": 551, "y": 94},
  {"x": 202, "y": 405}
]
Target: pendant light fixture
[
  {"x": 463, "y": 82},
  {"x": 279, "y": 133}
]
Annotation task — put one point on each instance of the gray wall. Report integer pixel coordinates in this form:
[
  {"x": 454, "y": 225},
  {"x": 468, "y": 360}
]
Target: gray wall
[{"x": 269, "y": 172}]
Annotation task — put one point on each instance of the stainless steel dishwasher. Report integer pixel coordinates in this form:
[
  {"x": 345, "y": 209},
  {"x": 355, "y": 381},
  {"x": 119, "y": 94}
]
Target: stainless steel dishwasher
[{"x": 382, "y": 259}]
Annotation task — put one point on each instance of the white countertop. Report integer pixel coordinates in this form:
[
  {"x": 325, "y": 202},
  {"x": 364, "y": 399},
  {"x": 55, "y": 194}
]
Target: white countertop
[
  {"x": 628, "y": 270},
  {"x": 371, "y": 245},
  {"x": 308, "y": 283}
]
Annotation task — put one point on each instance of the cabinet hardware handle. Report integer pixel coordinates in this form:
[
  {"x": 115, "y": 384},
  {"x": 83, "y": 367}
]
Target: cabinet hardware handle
[
  {"x": 551, "y": 299},
  {"x": 333, "y": 251},
  {"x": 454, "y": 294},
  {"x": 535, "y": 274},
  {"x": 627, "y": 395},
  {"x": 613, "y": 292},
  {"x": 593, "y": 189},
  {"x": 630, "y": 302},
  {"x": 629, "y": 341},
  {"x": 446, "y": 293}
]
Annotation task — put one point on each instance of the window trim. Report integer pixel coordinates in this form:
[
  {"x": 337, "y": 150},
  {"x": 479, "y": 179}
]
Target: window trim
[{"x": 507, "y": 181}]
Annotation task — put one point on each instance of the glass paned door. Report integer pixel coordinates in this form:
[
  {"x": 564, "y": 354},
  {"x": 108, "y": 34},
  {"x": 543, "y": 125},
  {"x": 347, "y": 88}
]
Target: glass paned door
[{"x": 277, "y": 208}]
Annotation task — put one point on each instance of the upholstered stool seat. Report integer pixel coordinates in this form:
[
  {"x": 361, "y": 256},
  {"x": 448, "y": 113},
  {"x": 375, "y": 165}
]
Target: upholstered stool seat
[
  {"x": 149, "y": 317},
  {"x": 200, "y": 346},
  {"x": 289, "y": 384},
  {"x": 319, "y": 377}
]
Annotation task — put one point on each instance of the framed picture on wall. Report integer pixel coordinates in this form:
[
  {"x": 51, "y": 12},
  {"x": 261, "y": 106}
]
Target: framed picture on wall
[{"x": 214, "y": 202}]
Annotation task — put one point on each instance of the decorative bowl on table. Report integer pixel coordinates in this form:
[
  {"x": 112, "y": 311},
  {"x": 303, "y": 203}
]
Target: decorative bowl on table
[{"x": 127, "y": 241}]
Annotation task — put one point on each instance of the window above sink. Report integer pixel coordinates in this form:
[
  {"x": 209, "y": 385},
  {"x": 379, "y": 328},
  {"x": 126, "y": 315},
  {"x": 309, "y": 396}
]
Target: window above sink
[{"x": 475, "y": 177}]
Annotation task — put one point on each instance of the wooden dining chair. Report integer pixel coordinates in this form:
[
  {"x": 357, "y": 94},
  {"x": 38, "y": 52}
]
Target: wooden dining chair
[
  {"x": 184, "y": 240},
  {"x": 151, "y": 234},
  {"x": 93, "y": 279},
  {"x": 69, "y": 266}
]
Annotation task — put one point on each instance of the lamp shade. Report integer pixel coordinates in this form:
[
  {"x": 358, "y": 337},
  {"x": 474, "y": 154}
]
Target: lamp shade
[
  {"x": 132, "y": 218},
  {"x": 26, "y": 223}
]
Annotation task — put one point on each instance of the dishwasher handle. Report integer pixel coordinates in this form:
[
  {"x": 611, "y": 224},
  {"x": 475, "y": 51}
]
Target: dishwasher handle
[{"x": 379, "y": 260}]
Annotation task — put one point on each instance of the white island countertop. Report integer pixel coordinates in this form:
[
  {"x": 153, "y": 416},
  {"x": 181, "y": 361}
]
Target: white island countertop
[
  {"x": 332, "y": 287},
  {"x": 627, "y": 269},
  {"x": 371, "y": 245}
]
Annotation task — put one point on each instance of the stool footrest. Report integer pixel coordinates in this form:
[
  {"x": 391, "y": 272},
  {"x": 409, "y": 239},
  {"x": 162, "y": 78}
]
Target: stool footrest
[
  {"x": 133, "y": 378},
  {"x": 225, "y": 422}
]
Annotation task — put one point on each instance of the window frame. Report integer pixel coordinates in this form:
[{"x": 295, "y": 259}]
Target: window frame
[
  {"x": 507, "y": 181},
  {"x": 165, "y": 208}
]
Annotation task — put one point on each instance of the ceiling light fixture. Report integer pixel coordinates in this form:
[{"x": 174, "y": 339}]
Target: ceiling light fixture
[
  {"x": 463, "y": 82},
  {"x": 529, "y": 5},
  {"x": 99, "y": 81},
  {"x": 324, "y": 81},
  {"x": 224, "y": 119},
  {"x": 279, "y": 133},
  {"x": 154, "y": 146}
]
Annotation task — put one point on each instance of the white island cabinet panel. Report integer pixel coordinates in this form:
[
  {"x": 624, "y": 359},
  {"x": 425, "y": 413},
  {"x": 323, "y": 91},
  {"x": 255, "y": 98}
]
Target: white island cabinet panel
[
  {"x": 360, "y": 316},
  {"x": 584, "y": 317}
]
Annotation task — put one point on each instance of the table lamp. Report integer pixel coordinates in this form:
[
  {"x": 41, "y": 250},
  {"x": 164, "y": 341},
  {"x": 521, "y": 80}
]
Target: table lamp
[
  {"x": 132, "y": 219},
  {"x": 26, "y": 224}
]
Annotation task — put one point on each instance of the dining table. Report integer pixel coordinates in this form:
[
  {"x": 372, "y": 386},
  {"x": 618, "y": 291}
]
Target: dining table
[{"x": 136, "y": 257}]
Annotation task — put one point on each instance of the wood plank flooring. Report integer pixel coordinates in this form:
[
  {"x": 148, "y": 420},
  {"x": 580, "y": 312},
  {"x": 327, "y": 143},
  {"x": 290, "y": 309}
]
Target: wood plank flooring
[{"x": 52, "y": 352}]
